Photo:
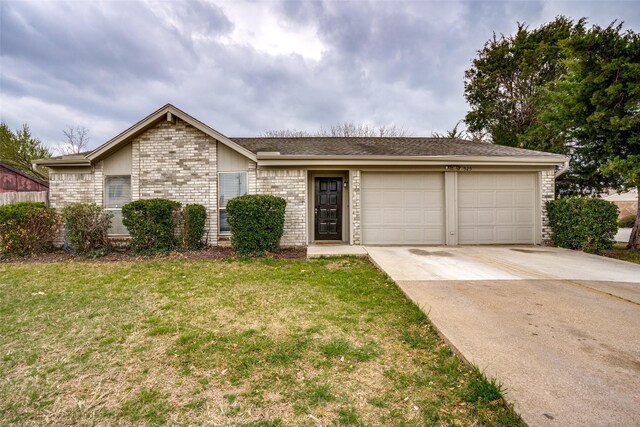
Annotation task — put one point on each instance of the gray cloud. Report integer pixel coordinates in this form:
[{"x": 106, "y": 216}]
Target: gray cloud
[{"x": 106, "y": 65}]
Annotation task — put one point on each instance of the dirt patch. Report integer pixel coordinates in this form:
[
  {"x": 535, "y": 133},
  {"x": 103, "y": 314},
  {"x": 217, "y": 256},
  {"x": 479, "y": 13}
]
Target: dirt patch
[
  {"x": 429, "y": 253},
  {"x": 209, "y": 253}
]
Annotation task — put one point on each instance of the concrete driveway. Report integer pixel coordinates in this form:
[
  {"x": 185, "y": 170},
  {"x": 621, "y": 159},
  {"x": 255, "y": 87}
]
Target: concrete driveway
[{"x": 560, "y": 329}]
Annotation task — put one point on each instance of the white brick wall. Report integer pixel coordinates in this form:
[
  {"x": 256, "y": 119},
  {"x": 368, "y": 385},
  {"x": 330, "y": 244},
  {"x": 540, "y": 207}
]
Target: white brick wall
[
  {"x": 176, "y": 161},
  {"x": 356, "y": 207},
  {"x": 67, "y": 188},
  {"x": 212, "y": 211},
  {"x": 290, "y": 184},
  {"x": 135, "y": 170},
  {"x": 98, "y": 183},
  {"x": 547, "y": 190}
]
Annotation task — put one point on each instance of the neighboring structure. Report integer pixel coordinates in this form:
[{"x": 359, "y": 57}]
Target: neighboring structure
[
  {"x": 415, "y": 191},
  {"x": 626, "y": 202},
  {"x": 17, "y": 186}
]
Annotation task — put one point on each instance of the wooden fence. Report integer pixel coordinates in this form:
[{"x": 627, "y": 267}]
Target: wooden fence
[{"x": 24, "y": 196}]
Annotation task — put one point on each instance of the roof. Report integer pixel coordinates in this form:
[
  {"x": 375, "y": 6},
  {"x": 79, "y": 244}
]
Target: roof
[
  {"x": 283, "y": 151},
  {"x": 24, "y": 174},
  {"x": 65, "y": 160},
  {"x": 382, "y": 146}
]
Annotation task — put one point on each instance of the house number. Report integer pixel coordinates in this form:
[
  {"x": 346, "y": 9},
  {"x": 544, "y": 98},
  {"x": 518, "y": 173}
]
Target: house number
[{"x": 459, "y": 168}]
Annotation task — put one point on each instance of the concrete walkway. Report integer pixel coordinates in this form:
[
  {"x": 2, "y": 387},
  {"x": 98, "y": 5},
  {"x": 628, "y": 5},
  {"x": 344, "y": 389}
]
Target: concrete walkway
[
  {"x": 623, "y": 235},
  {"x": 560, "y": 329},
  {"x": 315, "y": 251}
]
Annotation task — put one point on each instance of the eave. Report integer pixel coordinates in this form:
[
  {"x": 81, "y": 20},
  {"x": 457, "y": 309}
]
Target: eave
[
  {"x": 295, "y": 160},
  {"x": 81, "y": 162}
]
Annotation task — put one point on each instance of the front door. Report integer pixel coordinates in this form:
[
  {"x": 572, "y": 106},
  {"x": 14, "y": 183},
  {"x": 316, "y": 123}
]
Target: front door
[{"x": 328, "y": 209}]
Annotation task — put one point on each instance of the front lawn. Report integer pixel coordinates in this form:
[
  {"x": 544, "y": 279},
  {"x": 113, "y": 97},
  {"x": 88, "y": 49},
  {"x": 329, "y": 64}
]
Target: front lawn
[
  {"x": 621, "y": 252},
  {"x": 261, "y": 343}
]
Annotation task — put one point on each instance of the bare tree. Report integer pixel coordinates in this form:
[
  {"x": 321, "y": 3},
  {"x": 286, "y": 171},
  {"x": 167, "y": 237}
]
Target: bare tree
[
  {"x": 352, "y": 129},
  {"x": 343, "y": 129},
  {"x": 77, "y": 140},
  {"x": 285, "y": 133}
]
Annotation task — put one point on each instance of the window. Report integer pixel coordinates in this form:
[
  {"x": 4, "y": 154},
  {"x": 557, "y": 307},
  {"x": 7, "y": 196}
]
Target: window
[
  {"x": 230, "y": 185},
  {"x": 117, "y": 194}
]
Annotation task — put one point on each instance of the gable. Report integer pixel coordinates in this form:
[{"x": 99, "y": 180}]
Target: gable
[
  {"x": 168, "y": 113},
  {"x": 230, "y": 160},
  {"x": 118, "y": 163}
]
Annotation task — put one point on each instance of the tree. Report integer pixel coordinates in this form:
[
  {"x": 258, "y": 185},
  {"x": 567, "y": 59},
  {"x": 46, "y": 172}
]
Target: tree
[
  {"x": 507, "y": 74},
  {"x": 77, "y": 140},
  {"x": 19, "y": 149},
  {"x": 342, "y": 129},
  {"x": 352, "y": 129},
  {"x": 594, "y": 109},
  {"x": 455, "y": 133}
]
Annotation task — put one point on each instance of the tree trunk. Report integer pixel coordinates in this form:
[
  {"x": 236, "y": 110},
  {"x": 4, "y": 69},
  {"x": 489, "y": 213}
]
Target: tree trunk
[{"x": 634, "y": 240}]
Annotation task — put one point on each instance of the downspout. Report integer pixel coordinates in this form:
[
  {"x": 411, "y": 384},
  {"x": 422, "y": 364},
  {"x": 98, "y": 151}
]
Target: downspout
[{"x": 563, "y": 169}]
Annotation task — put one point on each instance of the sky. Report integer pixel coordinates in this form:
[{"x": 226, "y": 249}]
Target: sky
[{"x": 247, "y": 67}]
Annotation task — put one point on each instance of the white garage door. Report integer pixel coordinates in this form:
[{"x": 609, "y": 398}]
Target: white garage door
[
  {"x": 497, "y": 208},
  {"x": 402, "y": 208}
]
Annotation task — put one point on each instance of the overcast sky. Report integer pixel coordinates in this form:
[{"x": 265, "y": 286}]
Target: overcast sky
[{"x": 247, "y": 67}]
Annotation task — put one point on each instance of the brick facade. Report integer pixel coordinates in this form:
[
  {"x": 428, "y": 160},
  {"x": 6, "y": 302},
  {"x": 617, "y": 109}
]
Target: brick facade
[
  {"x": 68, "y": 188},
  {"x": 174, "y": 160},
  {"x": 356, "y": 207},
  {"x": 98, "y": 183},
  {"x": 547, "y": 192},
  {"x": 135, "y": 170},
  {"x": 290, "y": 184}
]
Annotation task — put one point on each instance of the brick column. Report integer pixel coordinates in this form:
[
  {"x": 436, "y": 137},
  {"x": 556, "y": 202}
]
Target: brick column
[
  {"x": 212, "y": 210},
  {"x": 98, "y": 184},
  {"x": 135, "y": 170},
  {"x": 356, "y": 207},
  {"x": 547, "y": 192}
]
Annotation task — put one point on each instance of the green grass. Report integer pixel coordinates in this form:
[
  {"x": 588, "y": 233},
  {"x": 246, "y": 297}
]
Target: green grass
[
  {"x": 242, "y": 343},
  {"x": 622, "y": 253}
]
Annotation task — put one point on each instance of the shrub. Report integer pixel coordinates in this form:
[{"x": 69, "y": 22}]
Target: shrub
[
  {"x": 588, "y": 224},
  {"x": 86, "y": 227},
  {"x": 257, "y": 223},
  {"x": 194, "y": 218},
  {"x": 627, "y": 221},
  {"x": 151, "y": 224},
  {"x": 27, "y": 228}
]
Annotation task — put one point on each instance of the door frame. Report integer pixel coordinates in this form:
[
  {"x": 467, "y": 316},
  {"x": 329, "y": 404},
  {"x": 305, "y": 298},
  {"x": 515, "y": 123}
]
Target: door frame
[
  {"x": 316, "y": 202},
  {"x": 311, "y": 203}
]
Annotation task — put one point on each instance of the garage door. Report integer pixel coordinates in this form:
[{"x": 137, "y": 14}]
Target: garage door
[
  {"x": 496, "y": 208},
  {"x": 402, "y": 208}
]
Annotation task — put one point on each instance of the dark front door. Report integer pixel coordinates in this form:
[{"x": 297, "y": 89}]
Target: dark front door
[{"x": 328, "y": 209}]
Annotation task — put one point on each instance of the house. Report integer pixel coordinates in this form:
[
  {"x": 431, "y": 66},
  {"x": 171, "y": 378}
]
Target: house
[
  {"x": 17, "y": 186},
  {"x": 627, "y": 202},
  {"x": 417, "y": 191}
]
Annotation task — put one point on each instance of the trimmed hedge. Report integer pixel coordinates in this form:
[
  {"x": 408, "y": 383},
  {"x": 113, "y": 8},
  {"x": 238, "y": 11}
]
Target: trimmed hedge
[
  {"x": 27, "y": 228},
  {"x": 588, "y": 224},
  {"x": 627, "y": 222},
  {"x": 257, "y": 223},
  {"x": 194, "y": 218},
  {"x": 152, "y": 224},
  {"x": 86, "y": 227}
]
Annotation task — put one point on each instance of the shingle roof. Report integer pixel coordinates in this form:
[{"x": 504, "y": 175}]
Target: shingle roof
[{"x": 382, "y": 146}]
